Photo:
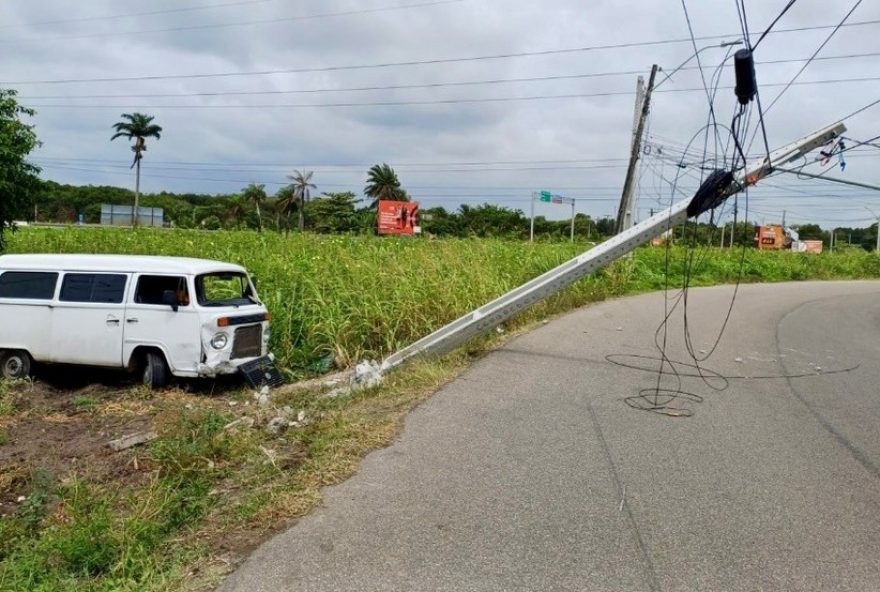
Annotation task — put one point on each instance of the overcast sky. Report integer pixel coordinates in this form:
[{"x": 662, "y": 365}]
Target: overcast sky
[{"x": 451, "y": 143}]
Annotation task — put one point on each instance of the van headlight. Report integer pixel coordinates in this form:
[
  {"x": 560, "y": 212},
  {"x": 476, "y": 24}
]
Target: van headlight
[
  {"x": 267, "y": 334},
  {"x": 219, "y": 341}
]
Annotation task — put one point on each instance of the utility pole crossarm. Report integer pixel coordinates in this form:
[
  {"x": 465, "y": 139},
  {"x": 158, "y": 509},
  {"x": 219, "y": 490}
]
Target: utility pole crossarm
[
  {"x": 710, "y": 195},
  {"x": 794, "y": 151},
  {"x": 721, "y": 184}
]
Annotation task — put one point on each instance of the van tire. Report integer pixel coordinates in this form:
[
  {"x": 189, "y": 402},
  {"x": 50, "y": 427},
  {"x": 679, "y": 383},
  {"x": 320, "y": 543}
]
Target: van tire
[
  {"x": 15, "y": 364},
  {"x": 155, "y": 370}
]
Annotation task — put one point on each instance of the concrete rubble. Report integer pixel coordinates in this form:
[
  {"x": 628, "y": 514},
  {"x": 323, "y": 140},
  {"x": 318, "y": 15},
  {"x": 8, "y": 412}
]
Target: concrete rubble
[{"x": 367, "y": 374}]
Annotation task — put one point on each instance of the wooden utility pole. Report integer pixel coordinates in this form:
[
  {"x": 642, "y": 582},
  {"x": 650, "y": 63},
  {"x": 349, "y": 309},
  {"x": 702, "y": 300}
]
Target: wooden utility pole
[{"x": 624, "y": 213}]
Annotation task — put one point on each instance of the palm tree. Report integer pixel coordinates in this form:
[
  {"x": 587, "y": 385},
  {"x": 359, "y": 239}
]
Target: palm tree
[
  {"x": 140, "y": 127},
  {"x": 382, "y": 183},
  {"x": 287, "y": 201},
  {"x": 236, "y": 207},
  {"x": 301, "y": 185},
  {"x": 256, "y": 194}
]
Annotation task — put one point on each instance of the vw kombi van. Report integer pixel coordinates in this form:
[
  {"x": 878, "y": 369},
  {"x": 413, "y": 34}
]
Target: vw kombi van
[{"x": 159, "y": 316}]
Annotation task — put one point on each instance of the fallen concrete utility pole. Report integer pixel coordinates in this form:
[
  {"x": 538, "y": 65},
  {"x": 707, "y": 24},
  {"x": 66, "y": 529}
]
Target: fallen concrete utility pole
[{"x": 717, "y": 188}]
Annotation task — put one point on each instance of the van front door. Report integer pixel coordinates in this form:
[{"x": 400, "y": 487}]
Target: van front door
[
  {"x": 150, "y": 322},
  {"x": 87, "y": 322}
]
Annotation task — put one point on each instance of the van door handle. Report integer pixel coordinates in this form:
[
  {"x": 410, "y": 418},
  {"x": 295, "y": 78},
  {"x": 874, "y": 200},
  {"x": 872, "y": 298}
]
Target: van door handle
[
  {"x": 131, "y": 320},
  {"x": 112, "y": 321}
]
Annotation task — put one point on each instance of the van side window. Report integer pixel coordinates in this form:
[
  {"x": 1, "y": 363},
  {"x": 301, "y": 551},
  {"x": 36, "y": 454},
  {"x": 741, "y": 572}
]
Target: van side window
[
  {"x": 92, "y": 287},
  {"x": 150, "y": 288},
  {"x": 30, "y": 285}
]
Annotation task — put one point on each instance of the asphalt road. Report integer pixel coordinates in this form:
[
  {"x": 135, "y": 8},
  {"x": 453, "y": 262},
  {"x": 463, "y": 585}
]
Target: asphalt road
[{"x": 530, "y": 473}]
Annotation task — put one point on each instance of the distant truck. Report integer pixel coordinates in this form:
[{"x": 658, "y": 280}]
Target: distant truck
[
  {"x": 158, "y": 316},
  {"x": 774, "y": 237}
]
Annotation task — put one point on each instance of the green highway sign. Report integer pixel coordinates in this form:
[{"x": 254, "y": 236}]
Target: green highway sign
[{"x": 546, "y": 196}]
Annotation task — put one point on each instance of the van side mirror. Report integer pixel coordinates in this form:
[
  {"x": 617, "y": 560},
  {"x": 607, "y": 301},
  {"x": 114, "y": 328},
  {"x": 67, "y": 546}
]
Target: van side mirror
[{"x": 169, "y": 297}]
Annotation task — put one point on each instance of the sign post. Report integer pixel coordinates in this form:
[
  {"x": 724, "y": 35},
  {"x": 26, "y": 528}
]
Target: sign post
[
  {"x": 548, "y": 197},
  {"x": 532, "y": 220}
]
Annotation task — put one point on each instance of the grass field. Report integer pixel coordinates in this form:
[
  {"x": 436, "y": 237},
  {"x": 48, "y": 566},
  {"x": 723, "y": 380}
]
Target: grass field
[
  {"x": 340, "y": 299},
  {"x": 178, "y": 512}
]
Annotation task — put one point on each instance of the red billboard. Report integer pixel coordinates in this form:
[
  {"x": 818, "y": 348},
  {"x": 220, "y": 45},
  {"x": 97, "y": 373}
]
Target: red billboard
[{"x": 398, "y": 217}]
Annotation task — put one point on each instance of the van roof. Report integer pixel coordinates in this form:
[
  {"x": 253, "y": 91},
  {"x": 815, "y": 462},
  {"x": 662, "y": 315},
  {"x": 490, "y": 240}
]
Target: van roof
[{"x": 121, "y": 263}]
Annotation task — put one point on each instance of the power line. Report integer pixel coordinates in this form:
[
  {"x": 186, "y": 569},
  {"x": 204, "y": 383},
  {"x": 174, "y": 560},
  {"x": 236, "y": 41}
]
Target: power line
[
  {"x": 804, "y": 67},
  {"x": 761, "y": 122},
  {"x": 809, "y": 61},
  {"x": 776, "y": 20},
  {"x": 677, "y": 150},
  {"x": 347, "y": 165},
  {"x": 401, "y": 86},
  {"x": 516, "y": 198},
  {"x": 413, "y": 62},
  {"x": 696, "y": 54},
  {"x": 347, "y": 67},
  {"x": 135, "y": 14},
  {"x": 687, "y": 17},
  {"x": 472, "y": 100},
  {"x": 470, "y": 169},
  {"x": 674, "y": 150},
  {"x": 269, "y": 182},
  {"x": 597, "y": 193},
  {"x": 858, "y": 111},
  {"x": 236, "y": 23},
  {"x": 584, "y": 193},
  {"x": 816, "y": 59},
  {"x": 351, "y": 89},
  {"x": 347, "y": 104},
  {"x": 358, "y": 171}
]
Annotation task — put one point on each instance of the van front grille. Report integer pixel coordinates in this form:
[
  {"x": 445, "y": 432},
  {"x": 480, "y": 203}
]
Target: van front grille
[{"x": 248, "y": 342}]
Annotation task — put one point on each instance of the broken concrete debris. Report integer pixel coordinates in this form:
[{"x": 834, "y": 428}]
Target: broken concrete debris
[{"x": 367, "y": 374}]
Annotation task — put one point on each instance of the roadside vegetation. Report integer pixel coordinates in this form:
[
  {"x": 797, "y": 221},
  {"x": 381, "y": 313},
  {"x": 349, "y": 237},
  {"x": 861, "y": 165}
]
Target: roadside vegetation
[
  {"x": 335, "y": 300},
  {"x": 180, "y": 510}
]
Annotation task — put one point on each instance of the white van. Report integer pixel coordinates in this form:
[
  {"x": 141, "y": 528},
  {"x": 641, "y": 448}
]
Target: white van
[{"x": 154, "y": 315}]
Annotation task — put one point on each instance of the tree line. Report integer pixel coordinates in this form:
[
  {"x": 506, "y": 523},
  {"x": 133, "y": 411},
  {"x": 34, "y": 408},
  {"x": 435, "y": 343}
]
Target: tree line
[
  {"x": 330, "y": 212},
  {"x": 344, "y": 212},
  {"x": 24, "y": 196}
]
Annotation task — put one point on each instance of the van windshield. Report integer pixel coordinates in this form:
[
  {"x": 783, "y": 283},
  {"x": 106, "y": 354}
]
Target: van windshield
[{"x": 224, "y": 289}]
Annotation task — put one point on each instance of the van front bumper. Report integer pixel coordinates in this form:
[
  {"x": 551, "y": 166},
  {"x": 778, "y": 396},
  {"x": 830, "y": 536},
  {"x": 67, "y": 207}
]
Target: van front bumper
[{"x": 209, "y": 370}]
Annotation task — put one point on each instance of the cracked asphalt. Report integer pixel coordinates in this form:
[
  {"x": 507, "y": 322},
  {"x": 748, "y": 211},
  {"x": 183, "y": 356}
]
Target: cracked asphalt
[{"x": 530, "y": 473}]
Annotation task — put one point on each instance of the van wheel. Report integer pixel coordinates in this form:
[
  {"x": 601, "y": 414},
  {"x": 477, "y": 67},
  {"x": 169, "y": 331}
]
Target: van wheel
[
  {"x": 15, "y": 364},
  {"x": 155, "y": 373}
]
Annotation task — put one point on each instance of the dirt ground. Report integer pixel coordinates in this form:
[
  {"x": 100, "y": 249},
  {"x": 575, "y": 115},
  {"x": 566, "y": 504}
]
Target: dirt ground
[
  {"x": 61, "y": 425},
  {"x": 58, "y": 427}
]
